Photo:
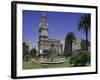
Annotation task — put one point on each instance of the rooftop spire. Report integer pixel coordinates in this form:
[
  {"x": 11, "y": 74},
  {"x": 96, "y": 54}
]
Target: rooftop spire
[
  {"x": 43, "y": 23},
  {"x": 44, "y": 14}
]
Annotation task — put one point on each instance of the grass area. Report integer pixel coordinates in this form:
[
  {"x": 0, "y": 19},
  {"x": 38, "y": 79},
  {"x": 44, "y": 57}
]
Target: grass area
[{"x": 36, "y": 65}]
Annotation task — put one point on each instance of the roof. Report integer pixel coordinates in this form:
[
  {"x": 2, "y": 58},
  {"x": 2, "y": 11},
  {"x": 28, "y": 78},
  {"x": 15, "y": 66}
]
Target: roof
[{"x": 53, "y": 40}]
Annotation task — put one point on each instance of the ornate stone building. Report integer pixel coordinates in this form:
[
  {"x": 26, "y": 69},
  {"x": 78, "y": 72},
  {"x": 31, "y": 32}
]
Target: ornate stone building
[{"x": 45, "y": 43}]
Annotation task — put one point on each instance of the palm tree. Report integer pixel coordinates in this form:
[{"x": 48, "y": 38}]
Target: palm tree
[
  {"x": 84, "y": 25},
  {"x": 70, "y": 37}
]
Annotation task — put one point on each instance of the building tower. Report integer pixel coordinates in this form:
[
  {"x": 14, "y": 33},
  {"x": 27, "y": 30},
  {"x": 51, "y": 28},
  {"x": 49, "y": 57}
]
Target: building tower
[
  {"x": 43, "y": 28},
  {"x": 44, "y": 41},
  {"x": 43, "y": 32}
]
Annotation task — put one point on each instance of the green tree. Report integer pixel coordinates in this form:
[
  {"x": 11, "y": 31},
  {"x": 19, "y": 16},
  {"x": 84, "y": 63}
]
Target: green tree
[
  {"x": 84, "y": 24},
  {"x": 25, "y": 49},
  {"x": 33, "y": 52},
  {"x": 70, "y": 37},
  {"x": 46, "y": 53},
  {"x": 80, "y": 59}
]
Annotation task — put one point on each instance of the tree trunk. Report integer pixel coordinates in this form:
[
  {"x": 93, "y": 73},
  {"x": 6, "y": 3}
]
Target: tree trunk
[
  {"x": 86, "y": 38},
  {"x": 71, "y": 47}
]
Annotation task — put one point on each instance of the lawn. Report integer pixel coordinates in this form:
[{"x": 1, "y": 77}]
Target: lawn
[{"x": 36, "y": 65}]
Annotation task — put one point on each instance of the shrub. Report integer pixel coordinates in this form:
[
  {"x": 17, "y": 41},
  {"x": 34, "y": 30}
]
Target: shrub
[
  {"x": 66, "y": 55},
  {"x": 80, "y": 59},
  {"x": 45, "y": 66},
  {"x": 46, "y": 53}
]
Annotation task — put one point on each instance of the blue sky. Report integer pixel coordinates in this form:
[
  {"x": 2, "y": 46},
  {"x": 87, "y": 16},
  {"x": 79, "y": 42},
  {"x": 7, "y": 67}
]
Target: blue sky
[{"x": 59, "y": 24}]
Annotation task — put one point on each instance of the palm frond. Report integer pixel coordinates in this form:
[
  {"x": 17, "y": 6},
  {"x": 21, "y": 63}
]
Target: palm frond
[{"x": 84, "y": 22}]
